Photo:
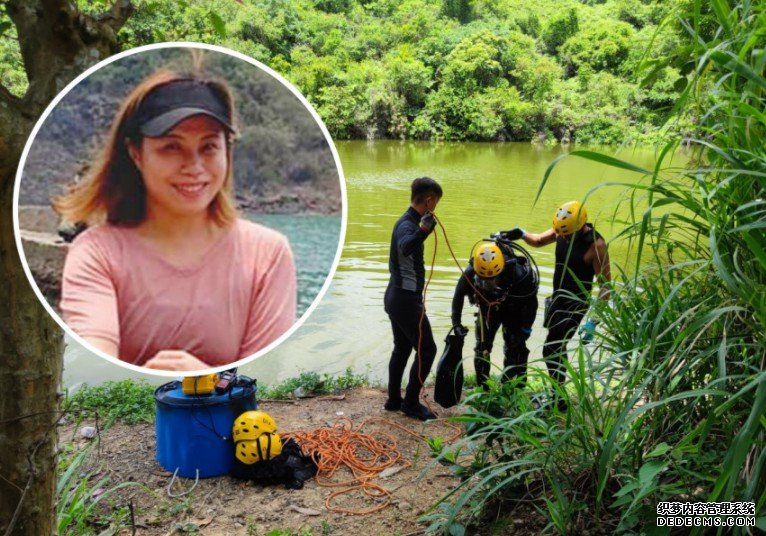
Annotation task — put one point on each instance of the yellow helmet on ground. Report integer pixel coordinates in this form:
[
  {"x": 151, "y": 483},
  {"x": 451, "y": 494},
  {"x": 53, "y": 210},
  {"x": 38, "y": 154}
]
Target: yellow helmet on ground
[
  {"x": 569, "y": 218},
  {"x": 251, "y": 424},
  {"x": 488, "y": 261},
  {"x": 266, "y": 447}
]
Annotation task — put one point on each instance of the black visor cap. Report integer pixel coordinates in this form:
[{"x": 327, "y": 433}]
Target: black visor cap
[{"x": 169, "y": 104}]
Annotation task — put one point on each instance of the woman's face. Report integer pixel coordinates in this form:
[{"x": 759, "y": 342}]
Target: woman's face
[{"x": 184, "y": 169}]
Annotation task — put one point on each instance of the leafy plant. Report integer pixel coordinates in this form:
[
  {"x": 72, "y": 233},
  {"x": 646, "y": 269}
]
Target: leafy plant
[
  {"x": 79, "y": 498},
  {"x": 127, "y": 400},
  {"x": 313, "y": 383}
]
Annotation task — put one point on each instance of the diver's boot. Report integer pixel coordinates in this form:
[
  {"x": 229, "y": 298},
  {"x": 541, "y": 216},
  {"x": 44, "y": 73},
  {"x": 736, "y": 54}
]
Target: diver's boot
[
  {"x": 393, "y": 404},
  {"x": 417, "y": 411}
]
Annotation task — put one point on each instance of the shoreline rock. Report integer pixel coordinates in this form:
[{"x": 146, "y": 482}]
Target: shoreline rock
[{"x": 294, "y": 201}]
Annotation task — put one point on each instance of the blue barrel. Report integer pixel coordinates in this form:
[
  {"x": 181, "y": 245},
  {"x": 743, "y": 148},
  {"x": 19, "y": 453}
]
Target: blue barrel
[{"x": 194, "y": 431}]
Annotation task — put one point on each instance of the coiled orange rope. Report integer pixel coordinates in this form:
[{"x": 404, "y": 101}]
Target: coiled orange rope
[{"x": 364, "y": 455}]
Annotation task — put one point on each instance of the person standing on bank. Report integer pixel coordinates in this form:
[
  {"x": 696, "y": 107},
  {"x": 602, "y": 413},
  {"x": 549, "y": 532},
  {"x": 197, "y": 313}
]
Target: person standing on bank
[
  {"x": 404, "y": 300},
  {"x": 581, "y": 257},
  {"x": 167, "y": 276}
]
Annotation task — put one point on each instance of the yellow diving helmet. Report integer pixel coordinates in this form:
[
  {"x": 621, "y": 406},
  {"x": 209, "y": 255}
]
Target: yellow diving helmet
[
  {"x": 266, "y": 447},
  {"x": 569, "y": 218},
  {"x": 488, "y": 261},
  {"x": 251, "y": 424}
]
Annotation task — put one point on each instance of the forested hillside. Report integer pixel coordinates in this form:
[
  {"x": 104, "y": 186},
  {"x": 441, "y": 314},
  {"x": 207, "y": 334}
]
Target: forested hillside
[{"x": 563, "y": 70}]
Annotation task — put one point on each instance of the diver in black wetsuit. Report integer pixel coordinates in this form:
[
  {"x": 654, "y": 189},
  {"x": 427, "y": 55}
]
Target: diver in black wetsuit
[
  {"x": 504, "y": 287},
  {"x": 581, "y": 257},
  {"x": 404, "y": 300}
]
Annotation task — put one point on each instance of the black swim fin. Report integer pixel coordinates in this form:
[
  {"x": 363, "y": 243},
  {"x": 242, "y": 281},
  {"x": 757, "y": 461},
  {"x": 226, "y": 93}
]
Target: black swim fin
[{"x": 449, "y": 372}]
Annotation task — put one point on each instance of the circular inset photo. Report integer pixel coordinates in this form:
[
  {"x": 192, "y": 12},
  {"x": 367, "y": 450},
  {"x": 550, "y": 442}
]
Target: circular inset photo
[{"x": 180, "y": 207}]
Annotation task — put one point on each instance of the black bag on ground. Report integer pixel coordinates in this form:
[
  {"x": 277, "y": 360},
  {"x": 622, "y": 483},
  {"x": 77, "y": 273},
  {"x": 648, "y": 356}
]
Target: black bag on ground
[
  {"x": 290, "y": 468},
  {"x": 449, "y": 373}
]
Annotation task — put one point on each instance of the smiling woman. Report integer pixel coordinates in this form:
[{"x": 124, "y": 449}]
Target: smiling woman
[{"x": 167, "y": 276}]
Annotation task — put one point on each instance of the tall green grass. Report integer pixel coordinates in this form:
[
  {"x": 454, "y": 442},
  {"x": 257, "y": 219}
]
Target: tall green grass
[{"x": 670, "y": 405}]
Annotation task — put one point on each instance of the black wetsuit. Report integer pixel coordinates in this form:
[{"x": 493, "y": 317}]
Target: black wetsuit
[
  {"x": 572, "y": 284},
  {"x": 515, "y": 309},
  {"x": 404, "y": 306}
]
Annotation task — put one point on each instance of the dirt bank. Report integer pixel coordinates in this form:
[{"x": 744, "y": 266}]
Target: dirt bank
[{"x": 224, "y": 505}]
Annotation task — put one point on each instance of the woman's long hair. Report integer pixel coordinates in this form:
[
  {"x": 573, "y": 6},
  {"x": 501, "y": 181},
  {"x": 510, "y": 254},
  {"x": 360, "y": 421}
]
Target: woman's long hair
[{"x": 113, "y": 189}]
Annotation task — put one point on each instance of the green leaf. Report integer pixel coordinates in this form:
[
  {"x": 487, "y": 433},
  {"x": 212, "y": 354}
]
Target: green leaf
[
  {"x": 649, "y": 470},
  {"x": 740, "y": 446},
  {"x": 622, "y": 501},
  {"x": 546, "y": 175},
  {"x": 651, "y": 78},
  {"x": 722, "y": 10},
  {"x": 659, "y": 450},
  {"x": 589, "y": 155},
  {"x": 756, "y": 248},
  {"x": 627, "y": 488},
  {"x": 610, "y": 161},
  {"x": 456, "y": 529},
  {"x": 687, "y": 67},
  {"x": 729, "y": 61},
  {"x": 218, "y": 24},
  {"x": 653, "y": 530},
  {"x": 5, "y": 26}
]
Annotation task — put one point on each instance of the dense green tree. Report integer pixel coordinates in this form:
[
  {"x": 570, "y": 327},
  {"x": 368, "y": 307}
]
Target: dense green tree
[
  {"x": 11, "y": 64},
  {"x": 535, "y": 77},
  {"x": 408, "y": 77},
  {"x": 603, "y": 46},
  {"x": 461, "y": 10},
  {"x": 634, "y": 12},
  {"x": 475, "y": 62},
  {"x": 334, "y": 6},
  {"x": 414, "y": 19},
  {"x": 311, "y": 73},
  {"x": 514, "y": 113},
  {"x": 530, "y": 25},
  {"x": 559, "y": 29},
  {"x": 346, "y": 106}
]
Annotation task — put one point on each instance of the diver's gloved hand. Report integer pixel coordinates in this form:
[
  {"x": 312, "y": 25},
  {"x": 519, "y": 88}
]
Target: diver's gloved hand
[
  {"x": 588, "y": 330},
  {"x": 460, "y": 330},
  {"x": 428, "y": 222},
  {"x": 514, "y": 234}
]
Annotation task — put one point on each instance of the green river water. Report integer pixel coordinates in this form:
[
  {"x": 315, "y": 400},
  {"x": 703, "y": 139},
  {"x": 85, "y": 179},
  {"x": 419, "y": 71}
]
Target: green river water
[{"x": 487, "y": 187}]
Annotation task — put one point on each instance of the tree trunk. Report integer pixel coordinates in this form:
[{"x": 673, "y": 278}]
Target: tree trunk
[
  {"x": 30, "y": 353},
  {"x": 57, "y": 42}
]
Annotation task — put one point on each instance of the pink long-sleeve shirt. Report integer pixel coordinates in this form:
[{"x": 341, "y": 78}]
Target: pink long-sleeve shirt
[{"x": 237, "y": 299}]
